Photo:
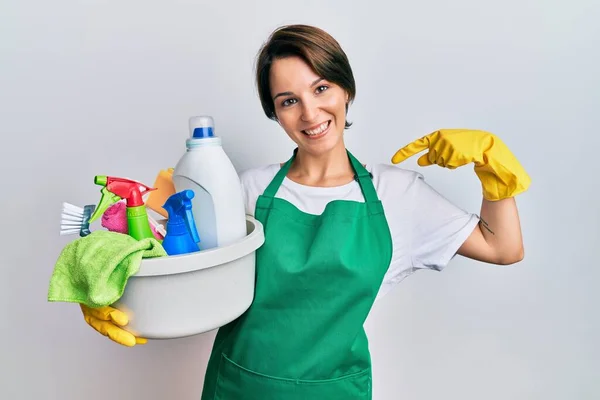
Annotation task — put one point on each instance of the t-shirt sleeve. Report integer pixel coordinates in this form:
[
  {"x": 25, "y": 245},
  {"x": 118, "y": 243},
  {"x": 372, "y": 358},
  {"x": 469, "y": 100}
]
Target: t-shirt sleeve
[
  {"x": 248, "y": 191},
  {"x": 439, "y": 227},
  {"x": 254, "y": 181}
]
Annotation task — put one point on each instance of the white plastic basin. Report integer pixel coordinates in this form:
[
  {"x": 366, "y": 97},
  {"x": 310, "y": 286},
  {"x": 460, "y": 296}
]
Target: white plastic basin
[{"x": 177, "y": 296}]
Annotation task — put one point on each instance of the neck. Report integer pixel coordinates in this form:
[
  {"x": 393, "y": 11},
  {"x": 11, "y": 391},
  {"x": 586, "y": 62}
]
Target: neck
[{"x": 330, "y": 169}]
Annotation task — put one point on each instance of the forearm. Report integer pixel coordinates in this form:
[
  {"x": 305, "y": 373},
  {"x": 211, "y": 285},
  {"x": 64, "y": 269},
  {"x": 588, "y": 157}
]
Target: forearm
[{"x": 501, "y": 229}]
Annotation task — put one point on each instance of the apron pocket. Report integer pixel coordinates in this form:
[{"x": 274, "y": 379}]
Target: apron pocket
[{"x": 235, "y": 382}]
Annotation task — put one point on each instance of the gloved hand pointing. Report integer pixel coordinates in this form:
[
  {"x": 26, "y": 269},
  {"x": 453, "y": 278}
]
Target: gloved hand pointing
[
  {"x": 108, "y": 321},
  {"x": 500, "y": 173}
]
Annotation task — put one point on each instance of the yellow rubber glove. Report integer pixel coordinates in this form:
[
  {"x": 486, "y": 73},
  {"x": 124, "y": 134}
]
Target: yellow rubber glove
[
  {"x": 500, "y": 173},
  {"x": 107, "y": 321}
]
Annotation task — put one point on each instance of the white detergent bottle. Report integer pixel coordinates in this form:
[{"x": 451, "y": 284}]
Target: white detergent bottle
[{"x": 218, "y": 203}]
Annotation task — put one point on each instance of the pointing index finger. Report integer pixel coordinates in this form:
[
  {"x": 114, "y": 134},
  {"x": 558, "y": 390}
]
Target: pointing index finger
[{"x": 411, "y": 149}]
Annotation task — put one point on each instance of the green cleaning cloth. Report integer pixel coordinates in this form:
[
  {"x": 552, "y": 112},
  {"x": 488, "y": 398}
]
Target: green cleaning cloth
[{"x": 93, "y": 270}]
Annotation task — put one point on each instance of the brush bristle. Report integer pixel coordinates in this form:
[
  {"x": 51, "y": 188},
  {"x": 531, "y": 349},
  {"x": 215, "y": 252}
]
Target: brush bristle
[
  {"x": 70, "y": 209},
  {"x": 67, "y": 217},
  {"x": 69, "y": 232},
  {"x": 69, "y": 225},
  {"x": 72, "y": 214}
]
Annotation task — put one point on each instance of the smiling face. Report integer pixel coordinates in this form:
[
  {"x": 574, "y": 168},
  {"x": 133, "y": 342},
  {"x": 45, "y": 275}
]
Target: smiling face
[{"x": 311, "y": 110}]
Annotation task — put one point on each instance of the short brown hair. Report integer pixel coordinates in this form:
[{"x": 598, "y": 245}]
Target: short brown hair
[{"x": 316, "y": 47}]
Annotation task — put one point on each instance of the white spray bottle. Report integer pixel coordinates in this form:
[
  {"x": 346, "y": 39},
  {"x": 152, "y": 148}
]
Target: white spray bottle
[{"x": 218, "y": 204}]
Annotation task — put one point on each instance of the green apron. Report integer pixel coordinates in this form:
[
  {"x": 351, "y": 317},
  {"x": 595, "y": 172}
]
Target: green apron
[{"x": 317, "y": 277}]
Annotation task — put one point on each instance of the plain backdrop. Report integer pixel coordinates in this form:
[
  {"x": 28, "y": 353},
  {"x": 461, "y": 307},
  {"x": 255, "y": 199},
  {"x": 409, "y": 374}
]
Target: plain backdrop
[{"x": 106, "y": 88}]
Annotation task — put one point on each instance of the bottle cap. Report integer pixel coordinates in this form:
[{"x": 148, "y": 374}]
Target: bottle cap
[{"x": 202, "y": 127}]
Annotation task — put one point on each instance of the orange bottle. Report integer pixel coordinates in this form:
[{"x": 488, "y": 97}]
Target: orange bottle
[{"x": 164, "y": 190}]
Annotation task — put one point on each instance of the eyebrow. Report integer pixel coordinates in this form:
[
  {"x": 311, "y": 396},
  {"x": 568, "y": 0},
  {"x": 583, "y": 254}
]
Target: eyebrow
[{"x": 290, "y": 93}]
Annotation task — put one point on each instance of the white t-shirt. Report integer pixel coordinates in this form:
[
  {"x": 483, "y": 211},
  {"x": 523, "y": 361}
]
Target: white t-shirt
[{"x": 426, "y": 228}]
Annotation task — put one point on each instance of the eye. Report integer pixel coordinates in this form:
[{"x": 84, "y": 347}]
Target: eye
[
  {"x": 322, "y": 88},
  {"x": 288, "y": 102}
]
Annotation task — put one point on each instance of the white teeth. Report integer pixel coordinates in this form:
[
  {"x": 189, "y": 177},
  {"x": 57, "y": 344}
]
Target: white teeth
[{"x": 317, "y": 130}]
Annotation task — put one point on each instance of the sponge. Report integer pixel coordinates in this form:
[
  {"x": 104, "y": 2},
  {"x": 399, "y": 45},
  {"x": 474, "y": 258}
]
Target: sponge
[{"x": 164, "y": 189}]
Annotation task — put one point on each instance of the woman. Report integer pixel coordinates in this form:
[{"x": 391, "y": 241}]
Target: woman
[{"x": 338, "y": 233}]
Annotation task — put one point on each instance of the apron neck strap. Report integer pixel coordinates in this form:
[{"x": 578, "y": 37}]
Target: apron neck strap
[
  {"x": 364, "y": 179},
  {"x": 361, "y": 175}
]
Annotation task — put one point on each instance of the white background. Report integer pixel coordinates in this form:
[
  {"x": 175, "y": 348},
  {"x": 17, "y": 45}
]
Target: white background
[{"x": 106, "y": 87}]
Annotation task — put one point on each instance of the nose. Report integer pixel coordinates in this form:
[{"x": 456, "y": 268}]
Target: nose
[{"x": 310, "y": 110}]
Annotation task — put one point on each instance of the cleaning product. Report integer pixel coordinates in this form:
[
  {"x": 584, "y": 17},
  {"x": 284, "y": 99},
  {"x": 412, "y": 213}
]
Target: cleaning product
[
  {"x": 182, "y": 235},
  {"x": 115, "y": 220},
  {"x": 115, "y": 189},
  {"x": 218, "y": 202},
  {"x": 75, "y": 219},
  {"x": 164, "y": 189}
]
